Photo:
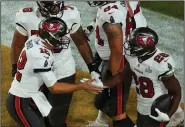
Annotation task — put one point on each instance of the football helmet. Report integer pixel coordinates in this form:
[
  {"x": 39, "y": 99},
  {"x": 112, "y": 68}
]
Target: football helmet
[
  {"x": 142, "y": 41},
  {"x": 53, "y": 31},
  {"x": 51, "y": 8},
  {"x": 97, "y": 3}
]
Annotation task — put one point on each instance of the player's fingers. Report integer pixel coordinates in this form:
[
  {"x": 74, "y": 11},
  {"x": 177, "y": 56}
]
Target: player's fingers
[
  {"x": 157, "y": 110},
  {"x": 96, "y": 89},
  {"x": 153, "y": 117},
  {"x": 84, "y": 80}
]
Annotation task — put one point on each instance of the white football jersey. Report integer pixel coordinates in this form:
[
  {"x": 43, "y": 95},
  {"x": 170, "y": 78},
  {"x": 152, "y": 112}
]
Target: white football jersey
[
  {"x": 27, "y": 21},
  {"x": 148, "y": 78},
  {"x": 34, "y": 58},
  {"x": 115, "y": 13}
]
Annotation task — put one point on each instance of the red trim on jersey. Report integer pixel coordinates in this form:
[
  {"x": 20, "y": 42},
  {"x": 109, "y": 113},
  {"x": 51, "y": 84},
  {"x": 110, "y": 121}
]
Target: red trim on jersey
[
  {"x": 137, "y": 8},
  {"x": 19, "y": 112},
  {"x": 66, "y": 7},
  {"x": 161, "y": 125},
  {"x": 119, "y": 91},
  {"x": 119, "y": 99}
]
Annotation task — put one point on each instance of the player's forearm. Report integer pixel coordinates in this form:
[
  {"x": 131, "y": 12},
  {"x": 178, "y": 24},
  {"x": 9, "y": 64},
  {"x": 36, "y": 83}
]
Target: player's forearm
[
  {"x": 82, "y": 44},
  {"x": 115, "y": 62},
  {"x": 113, "y": 81},
  {"x": 174, "y": 89},
  {"x": 176, "y": 93},
  {"x": 64, "y": 88},
  {"x": 15, "y": 52},
  {"x": 175, "y": 103},
  {"x": 86, "y": 53}
]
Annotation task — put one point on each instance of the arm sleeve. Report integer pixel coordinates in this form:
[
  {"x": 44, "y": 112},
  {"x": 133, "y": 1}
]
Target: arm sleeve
[
  {"x": 166, "y": 68},
  {"x": 41, "y": 62},
  {"x": 113, "y": 16},
  {"x": 48, "y": 78},
  {"x": 20, "y": 20},
  {"x": 21, "y": 30},
  {"x": 75, "y": 21}
]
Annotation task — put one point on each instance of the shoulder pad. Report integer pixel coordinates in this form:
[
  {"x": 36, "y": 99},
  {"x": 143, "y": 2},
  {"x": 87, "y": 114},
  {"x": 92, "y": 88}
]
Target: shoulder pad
[
  {"x": 22, "y": 16},
  {"x": 72, "y": 13},
  {"x": 112, "y": 16},
  {"x": 164, "y": 64},
  {"x": 72, "y": 18}
]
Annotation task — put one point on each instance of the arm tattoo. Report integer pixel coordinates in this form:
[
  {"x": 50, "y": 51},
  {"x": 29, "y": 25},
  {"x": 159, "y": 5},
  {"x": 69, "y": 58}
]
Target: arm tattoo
[{"x": 113, "y": 30}]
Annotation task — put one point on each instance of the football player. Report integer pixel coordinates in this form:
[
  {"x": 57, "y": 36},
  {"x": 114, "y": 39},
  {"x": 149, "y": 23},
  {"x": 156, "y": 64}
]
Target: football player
[
  {"x": 113, "y": 23},
  {"x": 34, "y": 68},
  {"x": 27, "y": 20},
  {"x": 153, "y": 72}
]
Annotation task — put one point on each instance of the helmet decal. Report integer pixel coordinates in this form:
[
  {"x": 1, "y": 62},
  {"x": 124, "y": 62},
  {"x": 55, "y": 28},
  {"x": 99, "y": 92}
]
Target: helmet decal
[
  {"x": 50, "y": 27},
  {"x": 144, "y": 40}
]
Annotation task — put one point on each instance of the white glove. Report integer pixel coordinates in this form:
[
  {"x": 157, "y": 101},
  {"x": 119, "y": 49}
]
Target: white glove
[
  {"x": 96, "y": 77},
  {"x": 89, "y": 29},
  {"x": 96, "y": 82},
  {"x": 162, "y": 117}
]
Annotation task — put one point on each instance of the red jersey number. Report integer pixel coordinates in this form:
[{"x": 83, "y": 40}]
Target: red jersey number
[
  {"x": 100, "y": 41},
  {"x": 21, "y": 64},
  {"x": 34, "y": 32},
  {"x": 145, "y": 87},
  {"x": 160, "y": 57},
  {"x": 27, "y": 10},
  {"x": 45, "y": 51},
  {"x": 109, "y": 8}
]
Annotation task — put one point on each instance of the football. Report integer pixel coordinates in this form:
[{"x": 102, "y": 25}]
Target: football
[{"x": 163, "y": 103}]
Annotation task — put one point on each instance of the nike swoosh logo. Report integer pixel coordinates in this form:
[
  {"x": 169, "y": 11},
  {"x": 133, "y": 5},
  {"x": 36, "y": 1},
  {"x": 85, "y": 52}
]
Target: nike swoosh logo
[
  {"x": 46, "y": 57},
  {"x": 165, "y": 60},
  {"x": 110, "y": 13}
]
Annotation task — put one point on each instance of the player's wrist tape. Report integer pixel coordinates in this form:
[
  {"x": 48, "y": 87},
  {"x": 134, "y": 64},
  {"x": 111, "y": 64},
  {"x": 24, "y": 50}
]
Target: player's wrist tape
[
  {"x": 90, "y": 28},
  {"x": 97, "y": 57},
  {"x": 93, "y": 67},
  {"x": 109, "y": 73},
  {"x": 14, "y": 69}
]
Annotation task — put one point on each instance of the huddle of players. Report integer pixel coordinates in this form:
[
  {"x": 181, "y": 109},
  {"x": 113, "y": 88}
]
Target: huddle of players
[{"x": 126, "y": 50}]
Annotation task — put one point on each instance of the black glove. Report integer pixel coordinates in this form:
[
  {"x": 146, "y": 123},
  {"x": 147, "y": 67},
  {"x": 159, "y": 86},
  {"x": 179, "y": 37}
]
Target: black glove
[
  {"x": 14, "y": 69},
  {"x": 96, "y": 63},
  {"x": 97, "y": 59}
]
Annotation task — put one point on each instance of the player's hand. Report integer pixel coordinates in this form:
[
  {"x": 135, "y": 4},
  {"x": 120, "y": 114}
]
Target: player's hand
[
  {"x": 162, "y": 117},
  {"x": 93, "y": 82},
  {"x": 89, "y": 29},
  {"x": 88, "y": 86},
  {"x": 96, "y": 76}
]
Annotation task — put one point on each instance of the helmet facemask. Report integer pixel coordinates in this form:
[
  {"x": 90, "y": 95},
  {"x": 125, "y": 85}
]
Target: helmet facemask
[
  {"x": 97, "y": 3},
  {"x": 51, "y": 8}
]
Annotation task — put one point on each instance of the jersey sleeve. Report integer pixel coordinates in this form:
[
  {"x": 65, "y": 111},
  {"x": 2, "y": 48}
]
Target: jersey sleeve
[
  {"x": 48, "y": 78},
  {"x": 113, "y": 16},
  {"x": 166, "y": 67},
  {"x": 20, "y": 21},
  {"x": 40, "y": 59},
  {"x": 74, "y": 21}
]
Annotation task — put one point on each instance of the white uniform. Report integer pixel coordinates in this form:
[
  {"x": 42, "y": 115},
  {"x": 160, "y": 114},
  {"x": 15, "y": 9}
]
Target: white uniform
[
  {"x": 148, "y": 78},
  {"x": 34, "y": 70},
  {"x": 29, "y": 18},
  {"x": 115, "y": 13}
]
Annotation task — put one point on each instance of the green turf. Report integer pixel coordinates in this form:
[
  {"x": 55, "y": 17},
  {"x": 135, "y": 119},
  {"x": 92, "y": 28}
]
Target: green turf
[{"x": 171, "y": 8}]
